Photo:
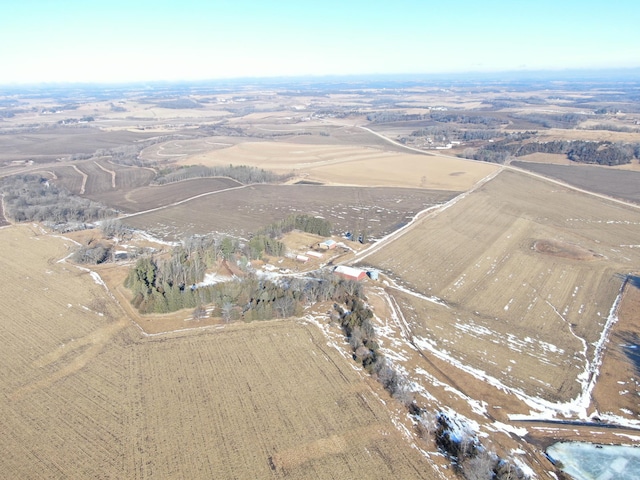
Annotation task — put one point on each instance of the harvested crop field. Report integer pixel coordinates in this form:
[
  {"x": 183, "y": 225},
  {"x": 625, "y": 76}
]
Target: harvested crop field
[
  {"x": 352, "y": 165},
  {"x": 229, "y": 395},
  {"x": 528, "y": 316},
  {"x": 60, "y": 141},
  {"x": 374, "y": 211},
  {"x": 85, "y": 396},
  {"x": 154, "y": 196},
  {"x": 614, "y": 183}
]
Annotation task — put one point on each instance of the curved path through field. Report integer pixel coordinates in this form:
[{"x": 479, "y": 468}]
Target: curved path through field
[
  {"x": 180, "y": 202},
  {"x": 85, "y": 177},
  {"x": 111, "y": 172}
]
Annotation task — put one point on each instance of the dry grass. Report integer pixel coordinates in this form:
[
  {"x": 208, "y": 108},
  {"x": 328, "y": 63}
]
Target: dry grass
[{"x": 512, "y": 311}]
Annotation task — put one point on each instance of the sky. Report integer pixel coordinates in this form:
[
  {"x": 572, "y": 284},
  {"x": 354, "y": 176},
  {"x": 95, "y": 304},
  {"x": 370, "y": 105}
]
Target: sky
[{"x": 105, "y": 41}]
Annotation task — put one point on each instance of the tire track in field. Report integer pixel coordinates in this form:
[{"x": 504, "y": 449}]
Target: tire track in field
[
  {"x": 180, "y": 202},
  {"x": 84, "y": 178},
  {"x": 95, "y": 342},
  {"x": 112, "y": 172}
]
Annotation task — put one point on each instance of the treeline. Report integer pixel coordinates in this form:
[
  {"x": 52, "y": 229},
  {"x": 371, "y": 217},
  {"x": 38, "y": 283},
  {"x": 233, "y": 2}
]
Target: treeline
[
  {"x": 170, "y": 285},
  {"x": 451, "y": 117},
  {"x": 242, "y": 173},
  {"x": 35, "y": 198},
  {"x": 463, "y": 447},
  {"x": 600, "y": 153},
  {"x": 436, "y": 116},
  {"x": 99, "y": 251},
  {"x": 130, "y": 154},
  {"x": 613, "y": 128},
  {"x": 452, "y": 436},
  {"x": 166, "y": 285},
  {"x": 357, "y": 325},
  {"x": 446, "y": 133},
  {"x": 93, "y": 253},
  {"x": 179, "y": 103},
  {"x": 305, "y": 223},
  {"x": 551, "y": 120}
]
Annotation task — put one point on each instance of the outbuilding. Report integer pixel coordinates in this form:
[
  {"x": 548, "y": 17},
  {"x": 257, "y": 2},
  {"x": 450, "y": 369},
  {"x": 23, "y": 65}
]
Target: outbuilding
[
  {"x": 328, "y": 244},
  {"x": 350, "y": 273}
]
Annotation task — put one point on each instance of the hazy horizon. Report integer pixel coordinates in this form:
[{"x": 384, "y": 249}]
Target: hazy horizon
[{"x": 124, "y": 42}]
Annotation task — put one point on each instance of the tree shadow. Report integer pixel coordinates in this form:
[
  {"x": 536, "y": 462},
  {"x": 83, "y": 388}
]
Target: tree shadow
[
  {"x": 632, "y": 279},
  {"x": 631, "y": 348}
]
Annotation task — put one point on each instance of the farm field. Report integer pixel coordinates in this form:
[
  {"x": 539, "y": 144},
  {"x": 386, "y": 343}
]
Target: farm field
[
  {"x": 495, "y": 304},
  {"x": 154, "y": 196},
  {"x": 54, "y": 141},
  {"x": 253, "y": 420},
  {"x": 374, "y": 211},
  {"x": 352, "y": 165},
  {"x": 97, "y": 177},
  {"x": 615, "y": 183},
  {"x": 87, "y": 396},
  {"x": 515, "y": 264}
]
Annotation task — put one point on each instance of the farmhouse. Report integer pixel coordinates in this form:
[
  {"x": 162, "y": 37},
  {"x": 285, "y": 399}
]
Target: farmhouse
[{"x": 350, "y": 273}]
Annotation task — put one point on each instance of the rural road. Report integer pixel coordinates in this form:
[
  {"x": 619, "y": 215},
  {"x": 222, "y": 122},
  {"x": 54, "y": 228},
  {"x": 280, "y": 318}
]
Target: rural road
[
  {"x": 505, "y": 167},
  {"x": 433, "y": 211}
]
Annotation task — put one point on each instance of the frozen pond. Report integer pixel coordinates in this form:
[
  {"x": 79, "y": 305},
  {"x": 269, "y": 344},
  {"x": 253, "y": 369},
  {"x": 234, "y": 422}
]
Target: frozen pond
[{"x": 587, "y": 461}]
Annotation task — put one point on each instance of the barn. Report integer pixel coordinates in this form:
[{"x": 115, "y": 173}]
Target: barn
[{"x": 350, "y": 273}]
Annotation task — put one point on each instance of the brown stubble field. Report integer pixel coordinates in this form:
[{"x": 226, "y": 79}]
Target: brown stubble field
[
  {"x": 273, "y": 401},
  {"x": 86, "y": 396},
  {"x": 518, "y": 314},
  {"x": 351, "y": 165},
  {"x": 615, "y": 183}
]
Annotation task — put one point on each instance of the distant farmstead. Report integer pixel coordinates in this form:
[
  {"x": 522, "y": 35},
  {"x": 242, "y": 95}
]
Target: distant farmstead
[{"x": 350, "y": 273}]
